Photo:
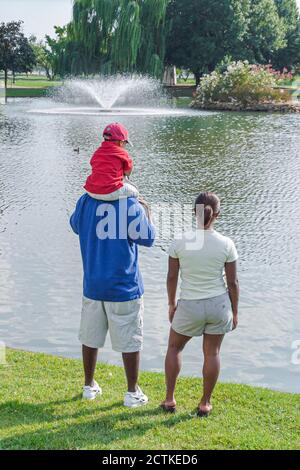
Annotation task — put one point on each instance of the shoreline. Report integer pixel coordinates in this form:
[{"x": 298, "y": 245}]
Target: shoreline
[
  {"x": 27, "y": 92},
  {"x": 72, "y": 357},
  {"x": 44, "y": 410},
  {"x": 283, "y": 108}
]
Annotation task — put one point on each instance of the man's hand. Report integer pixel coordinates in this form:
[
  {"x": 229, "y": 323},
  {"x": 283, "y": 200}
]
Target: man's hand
[
  {"x": 172, "y": 310},
  {"x": 235, "y": 321},
  {"x": 146, "y": 207}
]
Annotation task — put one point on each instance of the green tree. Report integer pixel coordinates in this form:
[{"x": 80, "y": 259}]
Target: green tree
[
  {"x": 266, "y": 32},
  {"x": 288, "y": 11},
  {"x": 289, "y": 56},
  {"x": 152, "y": 46},
  {"x": 111, "y": 36},
  {"x": 16, "y": 55},
  {"x": 201, "y": 33},
  {"x": 57, "y": 51},
  {"x": 42, "y": 56}
]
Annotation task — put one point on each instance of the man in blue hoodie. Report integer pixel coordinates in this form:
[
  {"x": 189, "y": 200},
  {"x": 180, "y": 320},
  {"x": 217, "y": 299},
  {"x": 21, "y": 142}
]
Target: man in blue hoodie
[{"x": 109, "y": 235}]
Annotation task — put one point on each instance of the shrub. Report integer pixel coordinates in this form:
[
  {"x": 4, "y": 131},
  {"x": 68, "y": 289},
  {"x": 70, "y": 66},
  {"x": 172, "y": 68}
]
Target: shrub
[{"x": 242, "y": 83}]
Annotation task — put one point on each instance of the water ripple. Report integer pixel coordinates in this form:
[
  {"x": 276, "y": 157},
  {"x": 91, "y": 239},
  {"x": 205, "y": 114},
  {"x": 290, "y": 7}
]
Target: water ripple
[{"x": 251, "y": 160}]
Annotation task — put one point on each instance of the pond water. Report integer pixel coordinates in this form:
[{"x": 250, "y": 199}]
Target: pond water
[{"x": 251, "y": 160}]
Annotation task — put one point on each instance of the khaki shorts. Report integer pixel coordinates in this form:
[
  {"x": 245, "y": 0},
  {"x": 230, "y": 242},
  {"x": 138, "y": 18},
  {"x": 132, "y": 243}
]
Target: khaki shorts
[
  {"x": 123, "y": 320},
  {"x": 128, "y": 190},
  {"x": 211, "y": 316}
]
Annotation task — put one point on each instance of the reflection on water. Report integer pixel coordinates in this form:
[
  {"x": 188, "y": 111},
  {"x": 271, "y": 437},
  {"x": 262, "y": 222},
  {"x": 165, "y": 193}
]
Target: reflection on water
[
  {"x": 252, "y": 161},
  {"x": 96, "y": 111}
]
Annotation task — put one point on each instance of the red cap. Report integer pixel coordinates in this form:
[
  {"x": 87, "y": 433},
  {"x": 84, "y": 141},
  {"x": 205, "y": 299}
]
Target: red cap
[{"x": 116, "y": 131}]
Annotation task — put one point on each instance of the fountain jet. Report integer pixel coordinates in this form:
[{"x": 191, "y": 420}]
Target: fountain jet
[{"x": 133, "y": 91}]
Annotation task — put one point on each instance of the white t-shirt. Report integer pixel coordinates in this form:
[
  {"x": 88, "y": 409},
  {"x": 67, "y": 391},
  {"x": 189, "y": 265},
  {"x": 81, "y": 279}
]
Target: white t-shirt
[{"x": 202, "y": 255}]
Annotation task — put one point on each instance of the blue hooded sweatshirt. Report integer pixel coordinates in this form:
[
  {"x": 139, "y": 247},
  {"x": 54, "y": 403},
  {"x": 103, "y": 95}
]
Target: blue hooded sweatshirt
[{"x": 109, "y": 233}]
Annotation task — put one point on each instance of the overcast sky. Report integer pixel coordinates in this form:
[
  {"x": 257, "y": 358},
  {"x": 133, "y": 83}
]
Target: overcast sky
[{"x": 39, "y": 16}]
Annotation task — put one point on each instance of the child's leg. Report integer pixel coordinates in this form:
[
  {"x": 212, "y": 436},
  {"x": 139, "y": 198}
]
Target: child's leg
[
  {"x": 105, "y": 197},
  {"x": 132, "y": 189},
  {"x": 128, "y": 190}
]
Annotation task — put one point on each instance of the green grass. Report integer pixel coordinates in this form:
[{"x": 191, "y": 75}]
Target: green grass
[
  {"x": 295, "y": 83},
  {"x": 32, "y": 84},
  {"x": 41, "y": 408},
  {"x": 30, "y": 81},
  {"x": 26, "y": 92},
  {"x": 188, "y": 82},
  {"x": 28, "y": 87}
]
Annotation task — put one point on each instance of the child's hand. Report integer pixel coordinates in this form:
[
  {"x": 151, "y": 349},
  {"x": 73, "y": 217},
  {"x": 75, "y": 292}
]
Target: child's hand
[{"x": 127, "y": 173}]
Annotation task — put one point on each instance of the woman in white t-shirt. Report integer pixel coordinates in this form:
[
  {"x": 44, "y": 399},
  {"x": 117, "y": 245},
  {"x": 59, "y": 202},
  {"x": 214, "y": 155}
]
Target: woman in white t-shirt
[{"x": 208, "y": 305}]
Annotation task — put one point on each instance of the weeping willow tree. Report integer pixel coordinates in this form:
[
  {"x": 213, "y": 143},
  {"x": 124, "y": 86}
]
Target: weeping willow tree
[
  {"x": 152, "y": 48},
  {"x": 115, "y": 36}
]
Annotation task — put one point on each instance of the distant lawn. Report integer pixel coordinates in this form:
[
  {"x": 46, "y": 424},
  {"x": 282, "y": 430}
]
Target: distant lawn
[
  {"x": 292, "y": 86},
  {"x": 188, "y": 82},
  {"x": 31, "y": 81},
  {"x": 26, "y": 92},
  {"x": 33, "y": 86},
  {"x": 292, "y": 83},
  {"x": 41, "y": 408}
]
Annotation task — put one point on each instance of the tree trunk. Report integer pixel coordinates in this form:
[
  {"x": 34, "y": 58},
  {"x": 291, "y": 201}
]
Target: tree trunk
[
  {"x": 5, "y": 84},
  {"x": 170, "y": 77},
  {"x": 49, "y": 73},
  {"x": 197, "y": 78}
]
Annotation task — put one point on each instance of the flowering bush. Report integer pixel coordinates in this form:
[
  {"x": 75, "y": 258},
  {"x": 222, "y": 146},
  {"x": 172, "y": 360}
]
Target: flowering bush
[{"x": 242, "y": 83}]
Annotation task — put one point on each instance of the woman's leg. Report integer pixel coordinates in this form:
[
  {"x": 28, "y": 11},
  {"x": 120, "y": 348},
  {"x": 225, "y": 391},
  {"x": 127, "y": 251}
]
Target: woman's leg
[
  {"x": 211, "y": 368},
  {"x": 176, "y": 345}
]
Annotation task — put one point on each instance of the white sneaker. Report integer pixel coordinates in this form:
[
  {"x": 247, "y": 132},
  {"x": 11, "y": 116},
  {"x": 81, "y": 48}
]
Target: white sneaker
[
  {"x": 90, "y": 393},
  {"x": 135, "y": 399}
]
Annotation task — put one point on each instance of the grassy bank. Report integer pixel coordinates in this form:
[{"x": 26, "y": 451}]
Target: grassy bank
[
  {"x": 30, "y": 81},
  {"x": 26, "y": 92},
  {"x": 41, "y": 408},
  {"x": 33, "y": 86}
]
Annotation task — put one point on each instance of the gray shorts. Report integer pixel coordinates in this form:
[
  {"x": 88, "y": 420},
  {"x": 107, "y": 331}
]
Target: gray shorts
[
  {"x": 123, "y": 320},
  {"x": 211, "y": 316}
]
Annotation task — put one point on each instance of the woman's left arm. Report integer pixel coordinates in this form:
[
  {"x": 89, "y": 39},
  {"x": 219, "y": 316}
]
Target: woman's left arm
[{"x": 172, "y": 281}]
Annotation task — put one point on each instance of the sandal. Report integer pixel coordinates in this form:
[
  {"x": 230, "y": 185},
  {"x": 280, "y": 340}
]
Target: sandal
[
  {"x": 168, "y": 408},
  {"x": 203, "y": 414}
]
